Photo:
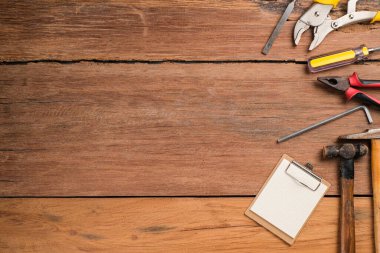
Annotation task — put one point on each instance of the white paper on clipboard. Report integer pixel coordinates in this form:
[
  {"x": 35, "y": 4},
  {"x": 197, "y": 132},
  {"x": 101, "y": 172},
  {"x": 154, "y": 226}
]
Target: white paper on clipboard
[{"x": 288, "y": 198}]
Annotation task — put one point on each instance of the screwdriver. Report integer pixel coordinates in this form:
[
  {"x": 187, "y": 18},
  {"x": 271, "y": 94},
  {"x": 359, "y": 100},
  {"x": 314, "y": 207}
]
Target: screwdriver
[{"x": 339, "y": 58}]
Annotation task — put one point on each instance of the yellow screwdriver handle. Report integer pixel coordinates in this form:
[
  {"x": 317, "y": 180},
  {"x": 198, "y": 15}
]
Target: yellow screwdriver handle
[
  {"x": 376, "y": 18},
  {"x": 334, "y": 58},
  {"x": 328, "y": 2},
  {"x": 337, "y": 59}
]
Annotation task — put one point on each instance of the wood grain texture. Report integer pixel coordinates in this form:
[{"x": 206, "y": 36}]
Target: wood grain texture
[
  {"x": 164, "y": 29},
  {"x": 164, "y": 225},
  {"x": 165, "y": 129},
  {"x": 375, "y": 167},
  {"x": 347, "y": 217},
  {"x": 118, "y": 129}
]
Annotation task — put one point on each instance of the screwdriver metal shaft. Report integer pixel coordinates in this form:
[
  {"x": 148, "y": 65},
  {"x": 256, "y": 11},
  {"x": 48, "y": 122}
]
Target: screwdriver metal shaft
[
  {"x": 323, "y": 122},
  {"x": 374, "y": 49}
]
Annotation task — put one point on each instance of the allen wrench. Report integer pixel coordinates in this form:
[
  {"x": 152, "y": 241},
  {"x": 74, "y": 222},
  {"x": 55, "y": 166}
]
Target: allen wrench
[{"x": 328, "y": 120}]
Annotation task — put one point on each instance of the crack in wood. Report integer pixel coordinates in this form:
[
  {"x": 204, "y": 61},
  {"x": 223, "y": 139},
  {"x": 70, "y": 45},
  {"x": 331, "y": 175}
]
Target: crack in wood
[
  {"x": 220, "y": 227},
  {"x": 139, "y": 61}
]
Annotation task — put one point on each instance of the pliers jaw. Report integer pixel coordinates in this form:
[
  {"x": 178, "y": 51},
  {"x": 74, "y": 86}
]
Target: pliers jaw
[
  {"x": 314, "y": 17},
  {"x": 321, "y": 31},
  {"x": 336, "y": 82},
  {"x": 299, "y": 29}
]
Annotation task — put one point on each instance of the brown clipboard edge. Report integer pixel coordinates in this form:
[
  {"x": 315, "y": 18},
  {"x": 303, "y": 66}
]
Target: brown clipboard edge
[{"x": 288, "y": 239}]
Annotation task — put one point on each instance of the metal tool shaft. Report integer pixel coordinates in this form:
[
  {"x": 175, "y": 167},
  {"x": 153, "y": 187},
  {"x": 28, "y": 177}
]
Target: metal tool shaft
[
  {"x": 279, "y": 25},
  {"x": 375, "y": 49},
  {"x": 323, "y": 122}
]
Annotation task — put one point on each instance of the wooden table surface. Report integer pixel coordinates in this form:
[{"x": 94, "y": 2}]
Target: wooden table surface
[{"x": 149, "y": 126}]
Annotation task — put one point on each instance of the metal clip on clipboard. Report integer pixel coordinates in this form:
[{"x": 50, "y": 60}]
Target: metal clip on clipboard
[{"x": 302, "y": 181}]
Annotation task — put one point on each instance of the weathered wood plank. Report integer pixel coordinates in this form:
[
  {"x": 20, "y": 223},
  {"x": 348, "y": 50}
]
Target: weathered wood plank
[
  {"x": 162, "y": 29},
  {"x": 164, "y": 129},
  {"x": 164, "y": 225}
]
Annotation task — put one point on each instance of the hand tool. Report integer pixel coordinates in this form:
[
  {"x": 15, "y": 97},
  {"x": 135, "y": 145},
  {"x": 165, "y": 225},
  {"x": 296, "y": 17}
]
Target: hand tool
[
  {"x": 323, "y": 122},
  {"x": 347, "y": 152},
  {"x": 339, "y": 58},
  {"x": 345, "y": 85},
  {"x": 278, "y": 27},
  {"x": 318, "y": 17},
  {"x": 374, "y": 136}
]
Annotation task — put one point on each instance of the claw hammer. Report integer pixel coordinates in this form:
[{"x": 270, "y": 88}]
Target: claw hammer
[
  {"x": 374, "y": 136},
  {"x": 347, "y": 152}
]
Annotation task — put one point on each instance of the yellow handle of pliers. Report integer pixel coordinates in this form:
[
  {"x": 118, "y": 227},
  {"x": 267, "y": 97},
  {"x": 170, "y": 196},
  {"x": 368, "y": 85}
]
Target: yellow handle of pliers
[
  {"x": 376, "y": 18},
  {"x": 328, "y": 2},
  {"x": 336, "y": 58}
]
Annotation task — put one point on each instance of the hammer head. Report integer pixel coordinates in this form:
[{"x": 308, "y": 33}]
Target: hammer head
[
  {"x": 346, "y": 151},
  {"x": 367, "y": 135}
]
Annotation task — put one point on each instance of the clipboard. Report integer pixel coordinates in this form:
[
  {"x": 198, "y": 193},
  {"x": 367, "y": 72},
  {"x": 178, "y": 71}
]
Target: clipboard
[{"x": 287, "y": 199}]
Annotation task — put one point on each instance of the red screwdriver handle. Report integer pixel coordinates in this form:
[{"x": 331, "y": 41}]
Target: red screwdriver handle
[
  {"x": 367, "y": 99},
  {"x": 355, "y": 81}
]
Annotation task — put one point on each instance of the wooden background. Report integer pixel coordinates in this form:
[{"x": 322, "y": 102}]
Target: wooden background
[{"x": 148, "y": 126}]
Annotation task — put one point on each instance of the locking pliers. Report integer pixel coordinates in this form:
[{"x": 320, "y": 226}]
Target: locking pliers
[{"x": 318, "y": 17}]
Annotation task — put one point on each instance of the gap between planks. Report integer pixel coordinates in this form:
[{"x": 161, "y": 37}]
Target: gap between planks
[{"x": 139, "y": 61}]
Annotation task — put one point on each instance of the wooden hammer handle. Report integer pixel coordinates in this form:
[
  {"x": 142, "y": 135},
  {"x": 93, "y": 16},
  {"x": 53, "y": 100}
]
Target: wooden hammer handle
[
  {"x": 347, "y": 218},
  {"x": 375, "y": 165}
]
